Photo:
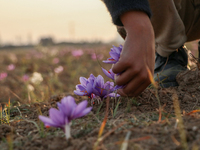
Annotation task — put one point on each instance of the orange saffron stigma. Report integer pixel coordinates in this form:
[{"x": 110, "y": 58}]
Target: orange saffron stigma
[
  {"x": 47, "y": 126},
  {"x": 111, "y": 59},
  {"x": 85, "y": 92},
  {"x": 102, "y": 91}
]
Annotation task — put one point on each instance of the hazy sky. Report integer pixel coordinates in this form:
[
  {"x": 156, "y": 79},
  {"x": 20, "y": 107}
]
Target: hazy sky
[{"x": 28, "y": 20}]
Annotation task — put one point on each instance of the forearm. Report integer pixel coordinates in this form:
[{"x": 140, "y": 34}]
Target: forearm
[
  {"x": 119, "y": 7},
  {"x": 136, "y": 22}
]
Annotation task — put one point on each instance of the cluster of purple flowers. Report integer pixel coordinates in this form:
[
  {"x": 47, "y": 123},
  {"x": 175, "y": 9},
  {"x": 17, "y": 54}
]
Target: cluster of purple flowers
[
  {"x": 93, "y": 87},
  {"x": 115, "y": 55}
]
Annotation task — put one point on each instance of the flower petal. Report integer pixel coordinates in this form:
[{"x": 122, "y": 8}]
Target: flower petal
[
  {"x": 100, "y": 81},
  {"x": 84, "y": 112},
  {"x": 112, "y": 95},
  {"x": 114, "y": 55},
  {"x": 118, "y": 49},
  {"x": 89, "y": 88},
  {"x": 92, "y": 76},
  {"x": 69, "y": 104},
  {"x": 109, "y": 61},
  {"x": 57, "y": 116},
  {"x": 118, "y": 87},
  {"x": 83, "y": 80},
  {"x": 109, "y": 73},
  {"x": 79, "y": 93},
  {"x": 80, "y": 87},
  {"x": 48, "y": 121},
  {"x": 80, "y": 107}
]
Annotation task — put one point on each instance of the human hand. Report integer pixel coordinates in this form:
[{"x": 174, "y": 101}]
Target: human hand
[{"x": 137, "y": 56}]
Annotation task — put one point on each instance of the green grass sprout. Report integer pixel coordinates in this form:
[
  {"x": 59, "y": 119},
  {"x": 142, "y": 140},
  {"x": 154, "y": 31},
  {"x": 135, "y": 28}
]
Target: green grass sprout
[{"x": 115, "y": 110}]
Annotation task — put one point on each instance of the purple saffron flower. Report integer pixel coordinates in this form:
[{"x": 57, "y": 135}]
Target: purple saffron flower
[
  {"x": 95, "y": 86},
  {"x": 3, "y": 75},
  {"x": 115, "y": 55},
  {"x": 68, "y": 110},
  {"x": 102, "y": 89},
  {"x": 109, "y": 73},
  {"x": 77, "y": 53},
  {"x": 56, "y": 60},
  {"x": 11, "y": 67},
  {"x": 86, "y": 86},
  {"x": 95, "y": 56},
  {"x": 25, "y": 78}
]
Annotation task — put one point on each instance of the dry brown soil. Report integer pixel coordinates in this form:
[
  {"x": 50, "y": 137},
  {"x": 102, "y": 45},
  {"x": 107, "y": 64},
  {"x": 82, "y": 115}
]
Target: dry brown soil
[{"x": 137, "y": 117}]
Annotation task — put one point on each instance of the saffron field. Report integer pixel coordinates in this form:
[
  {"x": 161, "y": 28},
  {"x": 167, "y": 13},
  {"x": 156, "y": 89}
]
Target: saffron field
[{"x": 41, "y": 107}]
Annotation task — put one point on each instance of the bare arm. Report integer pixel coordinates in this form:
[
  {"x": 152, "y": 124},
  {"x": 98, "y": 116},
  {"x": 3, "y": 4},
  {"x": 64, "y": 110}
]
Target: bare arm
[{"x": 138, "y": 53}]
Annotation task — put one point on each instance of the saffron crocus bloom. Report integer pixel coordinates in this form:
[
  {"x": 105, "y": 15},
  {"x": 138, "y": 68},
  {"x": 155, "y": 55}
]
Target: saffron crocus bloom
[
  {"x": 3, "y": 75},
  {"x": 77, "y": 53},
  {"x": 68, "y": 110},
  {"x": 86, "y": 86},
  {"x": 56, "y": 60},
  {"x": 109, "y": 73},
  {"x": 11, "y": 67},
  {"x": 25, "y": 77},
  {"x": 102, "y": 89},
  {"x": 115, "y": 55},
  {"x": 95, "y": 56}
]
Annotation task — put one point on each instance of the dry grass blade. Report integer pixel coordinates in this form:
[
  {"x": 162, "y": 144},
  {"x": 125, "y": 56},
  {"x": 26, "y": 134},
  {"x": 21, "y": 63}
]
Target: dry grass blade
[
  {"x": 110, "y": 132},
  {"x": 102, "y": 124},
  {"x": 10, "y": 141},
  {"x": 156, "y": 89},
  {"x": 135, "y": 140},
  {"x": 180, "y": 122},
  {"x": 175, "y": 140},
  {"x": 125, "y": 143},
  {"x": 101, "y": 139},
  {"x": 20, "y": 100},
  {"x": 105, "y": 118},
  {"x": 152, "y": 79},
  {"x": 1, "y": 113},
  {"x": 192, "y": 112}
]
